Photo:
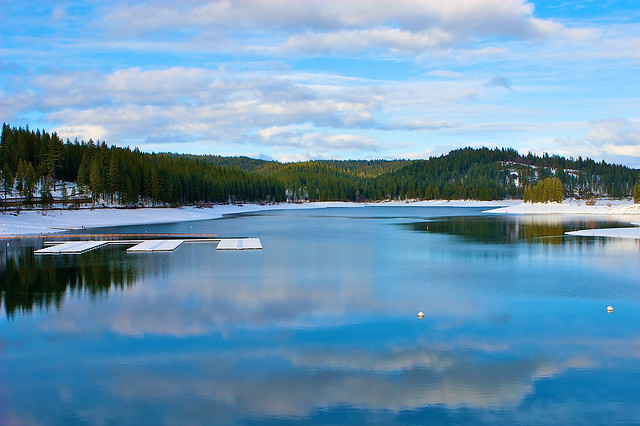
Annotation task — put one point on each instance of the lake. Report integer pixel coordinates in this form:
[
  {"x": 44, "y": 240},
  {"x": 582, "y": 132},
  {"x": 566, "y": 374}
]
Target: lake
[{"x": 321, "y": 325}]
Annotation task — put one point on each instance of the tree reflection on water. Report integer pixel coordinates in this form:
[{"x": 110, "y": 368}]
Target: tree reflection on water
[
  {"x": 28, "y": 281},
  {"x": 511, "y": 230}
]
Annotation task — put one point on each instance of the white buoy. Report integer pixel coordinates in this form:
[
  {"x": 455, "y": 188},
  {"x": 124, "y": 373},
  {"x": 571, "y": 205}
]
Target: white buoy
[
  {"x": 420, "y": 315},
  {"x": 609, "y": 308}
]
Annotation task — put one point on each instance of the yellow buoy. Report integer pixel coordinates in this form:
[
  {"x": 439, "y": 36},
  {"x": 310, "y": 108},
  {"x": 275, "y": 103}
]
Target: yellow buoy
[
  {"x": 609, "y": 309},
  {"x": 420, "y": 315}
]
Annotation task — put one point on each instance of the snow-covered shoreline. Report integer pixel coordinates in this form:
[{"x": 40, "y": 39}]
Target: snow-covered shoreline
[
  {"x": 37, "y": 222},
  {"x": 576, "y": 207},
  {"x": 30, "y": 222}
]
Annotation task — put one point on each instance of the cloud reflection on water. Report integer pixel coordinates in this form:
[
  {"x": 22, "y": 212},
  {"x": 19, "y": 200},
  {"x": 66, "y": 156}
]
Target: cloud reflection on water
[{"x": 298, "y": 330}]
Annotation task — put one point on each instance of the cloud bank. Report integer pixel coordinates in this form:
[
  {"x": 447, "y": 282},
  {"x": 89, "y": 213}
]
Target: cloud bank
[{"x": 325, "y": 79}]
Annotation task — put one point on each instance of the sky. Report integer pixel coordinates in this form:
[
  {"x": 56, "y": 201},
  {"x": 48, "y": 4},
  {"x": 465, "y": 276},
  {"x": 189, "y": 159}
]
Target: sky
[{"x": 295, "y": 80}]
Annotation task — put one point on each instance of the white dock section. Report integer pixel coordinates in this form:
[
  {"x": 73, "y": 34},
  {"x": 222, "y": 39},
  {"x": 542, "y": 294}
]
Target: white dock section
[
  {"x": 79, "y": 247},
  {"x": 240, "y": 244},
  {"x": 156, "y": 245},
  {"x": 72, "y": 247}
]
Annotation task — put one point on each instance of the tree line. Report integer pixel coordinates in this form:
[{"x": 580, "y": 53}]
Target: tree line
[
  {"x": 31, "y": 159},
  {"x": 466, "y": 173},
  {"x": 35, "y": 163}
]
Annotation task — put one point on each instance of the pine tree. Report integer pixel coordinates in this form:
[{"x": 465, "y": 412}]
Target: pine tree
[
  {"x": 547, "y": 191},
  {"x": 84, "y": 170},
  {"x": 636, "y": 192},
  {"x": 46, "y": 199},
  {"x": 528, "y": 194},
  {"x": 20, "y": 177},
  {"x": 96, "y": 177},
  {"x": 7, "y": 180},
  {"x": 558, "y": 190},
  {"x": 113, "y": 177},
  {"x": 64, "y": 193},
  {"x": 30, "y": 180}
]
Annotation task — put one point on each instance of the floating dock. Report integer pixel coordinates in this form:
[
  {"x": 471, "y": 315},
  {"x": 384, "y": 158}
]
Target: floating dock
[
  {"x": 72, "y": 247},
  {"x": 240, "y": 244},
  {"x": 146, "y": 246},
  {"x": 156, "y": 245}
]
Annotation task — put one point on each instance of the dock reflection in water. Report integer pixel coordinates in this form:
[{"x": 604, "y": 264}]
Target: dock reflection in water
[{"x": 28, "y": 281}]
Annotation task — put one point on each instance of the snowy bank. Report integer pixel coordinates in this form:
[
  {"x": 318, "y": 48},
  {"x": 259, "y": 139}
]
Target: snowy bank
[
  {"x": 632, "y": 233},
  {"x": 579, "y": 207},
  {"x": 39, "y": 222}
]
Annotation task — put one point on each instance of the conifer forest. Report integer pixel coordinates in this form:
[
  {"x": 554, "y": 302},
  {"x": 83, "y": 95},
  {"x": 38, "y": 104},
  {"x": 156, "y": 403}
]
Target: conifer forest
[{"x": 36, "y": 164}]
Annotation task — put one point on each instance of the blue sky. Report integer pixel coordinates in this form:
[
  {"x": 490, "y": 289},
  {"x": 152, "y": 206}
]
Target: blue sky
[{"x": 319, "y": 79}]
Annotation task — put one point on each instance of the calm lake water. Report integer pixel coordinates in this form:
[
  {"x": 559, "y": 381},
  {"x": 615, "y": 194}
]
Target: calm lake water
[{"x": 321, "y": 325}]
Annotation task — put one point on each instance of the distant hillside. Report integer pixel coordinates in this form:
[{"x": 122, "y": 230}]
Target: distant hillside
[
  {"x": 34, "y": 162},
  {"x": 243, "y": 163},
  {"x": 466, "y": 173}
]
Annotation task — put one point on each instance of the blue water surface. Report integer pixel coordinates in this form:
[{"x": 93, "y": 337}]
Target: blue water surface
[{"x": 321, "y": 325}]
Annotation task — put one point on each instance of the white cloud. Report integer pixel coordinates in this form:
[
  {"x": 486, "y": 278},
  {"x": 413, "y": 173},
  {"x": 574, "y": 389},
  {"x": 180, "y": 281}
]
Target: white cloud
[
  {"x": 622, "y": 150},
  {"x": 616, "y": 140},
  {"x": 321, "y": 25},
  {"x": 418, "y": 124},
  {"x": 289, "y": 137},
  {"x": 385, "y": 39},
  {"x": 305, "y": 114},
  {"x": 82, "y": 132},
  {"x": 446, "y": 74},
  {"x": 614, "y": 132},
  {"x": 186, "y": 104}
]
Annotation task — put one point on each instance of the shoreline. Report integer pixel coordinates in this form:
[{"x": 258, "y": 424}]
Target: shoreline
[
  {"x": 573, "y": 207},
  {"x": 37, "y": 222}
]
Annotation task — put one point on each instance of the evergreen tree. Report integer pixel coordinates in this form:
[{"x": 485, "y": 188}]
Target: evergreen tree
[
  {"x": 113, "y": 177},
  {"x": 46, "y": 199},
  {"x": 636, "y": 192},
  {"x": 528, "y": 194},
  {"x": 547, "y": 190},
  {"x": 63, "y": 192},
  {"x": 558, "y": 190},
  {"x": 7, "y": 180},
  {"x": 96, "y": 178},
  {"x": 20, "y": 177},
  {"x": 30, "y": 180},
  {"x": 84, "y": 170}
]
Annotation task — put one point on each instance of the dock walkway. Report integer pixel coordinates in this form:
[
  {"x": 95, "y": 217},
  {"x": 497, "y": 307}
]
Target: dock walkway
[{"x": 146, "y": 246}]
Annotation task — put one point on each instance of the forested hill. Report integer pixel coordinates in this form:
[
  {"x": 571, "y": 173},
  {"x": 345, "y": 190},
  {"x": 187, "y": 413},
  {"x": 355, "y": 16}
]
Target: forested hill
[
  {"x": 244, "y": 163},
  {"x": 34, "y": 162},
  {"x": 466, "y": 173}
]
